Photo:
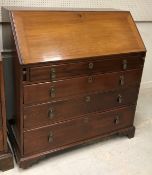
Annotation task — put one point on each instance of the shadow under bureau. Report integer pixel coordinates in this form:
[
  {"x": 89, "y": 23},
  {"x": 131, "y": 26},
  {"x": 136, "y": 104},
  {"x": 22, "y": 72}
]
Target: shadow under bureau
[{"x": 76, "y": 76}]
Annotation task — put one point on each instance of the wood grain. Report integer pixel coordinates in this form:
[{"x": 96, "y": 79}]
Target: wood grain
[
  {"x": 38, "y": 115},
  {"x": 52, "y": 36},
  {"x": 81, "y": 85},
  {"x": 6, "y": 158},
  {"x": 55, "y": 49},
  {"x": 63, "y": 71},
  {"x": 1, "y": 140},
  {"x": 76, "y": 130}
]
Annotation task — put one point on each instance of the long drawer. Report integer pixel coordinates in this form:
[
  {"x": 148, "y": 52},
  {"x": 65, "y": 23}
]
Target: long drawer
[
  {"x": 43, "y": 92},
  {"x": 61, "y": 134},
  {"x": 42, "y": 114},
  {"x": 1, "y": 140},
  {"x": 56, "y": 72}
]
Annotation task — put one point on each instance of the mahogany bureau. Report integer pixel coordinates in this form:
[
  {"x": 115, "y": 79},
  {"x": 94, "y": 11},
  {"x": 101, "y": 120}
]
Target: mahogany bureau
[
  {"x": 76, "y": 76},
  {"x": 6, "y": 158}
]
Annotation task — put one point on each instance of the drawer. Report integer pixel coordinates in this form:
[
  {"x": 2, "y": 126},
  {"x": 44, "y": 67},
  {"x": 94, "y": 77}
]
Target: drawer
[
  {"x": 43, "y": 92},
  {"x": 1, "y": 140},
  {"x": 43, "y": 114},
  {"x": 56, "y": 72},
  {"x": 55, "y": 136}
]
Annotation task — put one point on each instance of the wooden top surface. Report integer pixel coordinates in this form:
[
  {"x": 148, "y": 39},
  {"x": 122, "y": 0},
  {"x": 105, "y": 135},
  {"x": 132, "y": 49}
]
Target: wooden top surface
[{"x": 60, "y": 35}]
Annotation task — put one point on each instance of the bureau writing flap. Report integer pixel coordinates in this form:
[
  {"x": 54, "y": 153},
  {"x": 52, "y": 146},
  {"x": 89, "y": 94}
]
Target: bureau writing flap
[{"x": 62, "y": 35}]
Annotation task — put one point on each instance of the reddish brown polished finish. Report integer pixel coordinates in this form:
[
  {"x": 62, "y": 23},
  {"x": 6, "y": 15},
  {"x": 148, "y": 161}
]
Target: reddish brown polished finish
[
  {"x": 63, "y": 71},
  {"x": 1, "y": 140},
  {"x": 70, "y": 35},
  {"x": 6, "y": 158},
  {"x": 78, "y": 129},
  {"x": 76, "y": 78},
  {"x": 38, "y": 115},
  {"x": 82, "y": 85}
]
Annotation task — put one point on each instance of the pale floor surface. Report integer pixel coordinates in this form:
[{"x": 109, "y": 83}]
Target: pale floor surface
[{"x": 115, "y": 156}]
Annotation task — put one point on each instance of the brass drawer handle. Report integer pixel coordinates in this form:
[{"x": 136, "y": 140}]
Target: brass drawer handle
[
  {"x": 51, "y": 113},
  {"x": 122, "y": 80},
  {"x": 91, "y": 65},
  {"x": 125, "y": 64},
  {"x": 117, "y": 120},
  {"x": 119, "y": 99},
  {"x": 50, "y": 137},
  {"x": 52, "y": 92},
  {"x": 53, "y": 73},
  {"x": 88, "y": 99},
  {"x": 90, "y": 79}
]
